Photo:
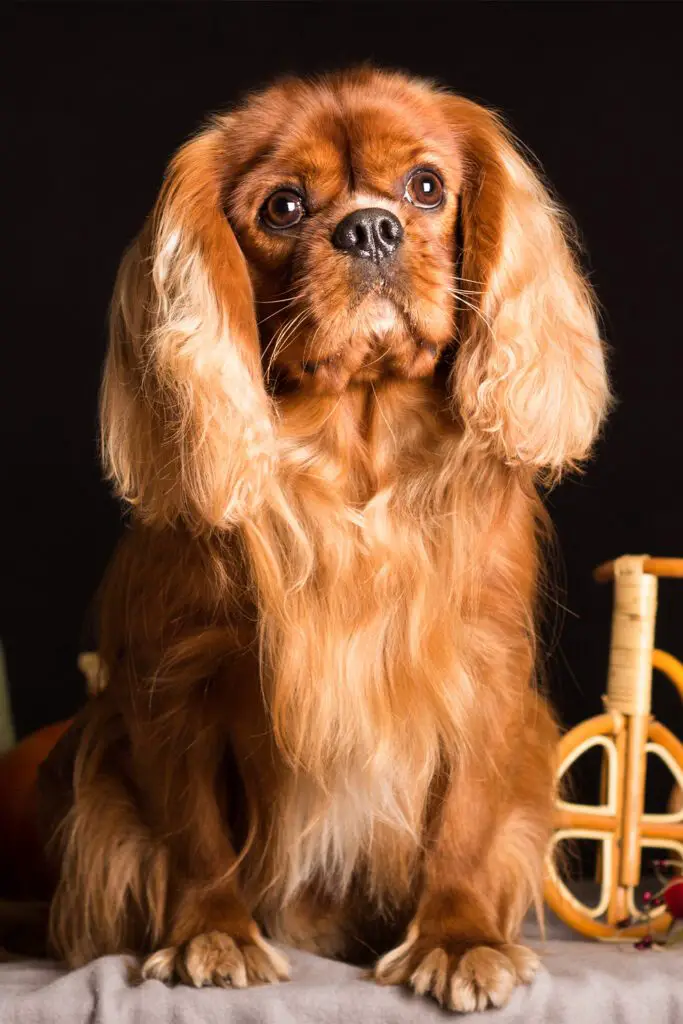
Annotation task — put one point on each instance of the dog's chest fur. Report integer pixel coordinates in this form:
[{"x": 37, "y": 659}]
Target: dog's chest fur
[{"x": 359, "y": 660}]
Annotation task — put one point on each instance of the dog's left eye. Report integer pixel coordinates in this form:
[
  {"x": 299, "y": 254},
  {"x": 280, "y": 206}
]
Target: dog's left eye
[
  {"x": 425, "y": 189},
  {"x": 283, "y": 209}
]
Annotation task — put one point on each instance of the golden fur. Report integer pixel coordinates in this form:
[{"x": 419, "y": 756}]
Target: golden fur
[{"x": 321, "y": 719}]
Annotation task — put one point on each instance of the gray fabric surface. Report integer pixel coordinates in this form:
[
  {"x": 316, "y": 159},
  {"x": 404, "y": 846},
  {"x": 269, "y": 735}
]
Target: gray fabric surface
[{"x": 580, "y": 983}]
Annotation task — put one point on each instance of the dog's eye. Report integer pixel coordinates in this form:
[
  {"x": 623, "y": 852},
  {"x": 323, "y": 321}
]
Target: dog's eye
[
  {"x": 424, "y": 189},
  {"x": 283, "y": 209}
]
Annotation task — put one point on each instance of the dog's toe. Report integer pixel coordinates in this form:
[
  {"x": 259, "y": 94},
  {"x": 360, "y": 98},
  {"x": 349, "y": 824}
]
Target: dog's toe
[
  {"x": 215, "y": 958},
  {"x": 460, "y": 979}
]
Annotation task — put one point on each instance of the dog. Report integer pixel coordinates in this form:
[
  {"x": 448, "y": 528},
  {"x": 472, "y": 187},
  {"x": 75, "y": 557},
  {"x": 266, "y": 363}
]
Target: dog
[{"x": 350, "y": 343}]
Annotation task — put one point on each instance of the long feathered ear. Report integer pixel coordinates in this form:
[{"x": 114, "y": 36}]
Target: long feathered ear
[
  {"x": 186, "y": 423},
  {"x": 529, "y": 380}
]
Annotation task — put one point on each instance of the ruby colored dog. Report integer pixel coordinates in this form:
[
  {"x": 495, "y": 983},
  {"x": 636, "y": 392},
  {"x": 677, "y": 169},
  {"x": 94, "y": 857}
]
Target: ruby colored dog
[{"x": 348, "y": 343}]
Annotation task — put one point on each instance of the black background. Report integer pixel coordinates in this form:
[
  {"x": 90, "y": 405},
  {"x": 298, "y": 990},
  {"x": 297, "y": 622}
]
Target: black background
[{"x": 105, "y": 93}]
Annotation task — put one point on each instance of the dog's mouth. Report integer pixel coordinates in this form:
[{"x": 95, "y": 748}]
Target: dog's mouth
[{"x": 380, "y": 341}]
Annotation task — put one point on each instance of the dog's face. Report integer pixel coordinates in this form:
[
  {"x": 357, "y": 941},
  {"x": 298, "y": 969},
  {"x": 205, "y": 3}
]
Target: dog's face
[
  {"x": 328, "y": 236},
  {"x": 347, "y": 219}
]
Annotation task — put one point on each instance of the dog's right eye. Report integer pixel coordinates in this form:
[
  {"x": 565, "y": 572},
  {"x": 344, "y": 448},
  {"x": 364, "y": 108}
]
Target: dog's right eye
[{"x": 282, "y": 210}]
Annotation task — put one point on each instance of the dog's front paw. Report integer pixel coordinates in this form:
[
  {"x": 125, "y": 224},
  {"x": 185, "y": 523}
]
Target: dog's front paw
[
  {"x": 215, "y": 958},
  {"x": 459, "y": 977}
]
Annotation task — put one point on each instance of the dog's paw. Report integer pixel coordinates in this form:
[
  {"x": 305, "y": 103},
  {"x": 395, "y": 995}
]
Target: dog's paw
[
  {"x": 215, "y": 958},
  {"x": 459, "y": 978}
]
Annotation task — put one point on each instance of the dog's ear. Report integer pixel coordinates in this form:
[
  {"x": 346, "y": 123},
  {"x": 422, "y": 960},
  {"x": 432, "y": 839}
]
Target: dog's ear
[
  {"x": 529, "y": 380},
  {"x": 186, "y": 423}
]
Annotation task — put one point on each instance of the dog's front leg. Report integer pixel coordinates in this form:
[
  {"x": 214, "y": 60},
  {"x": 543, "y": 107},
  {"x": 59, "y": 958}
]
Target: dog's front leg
[
  {"x": 211, "y": 937},
  {"x": 455, "y": 951},
  {"x": 483, "y": 867}
]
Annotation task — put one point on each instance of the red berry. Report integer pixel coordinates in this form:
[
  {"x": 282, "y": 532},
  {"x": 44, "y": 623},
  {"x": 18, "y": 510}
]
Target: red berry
[{"x": 673, "y": 897}]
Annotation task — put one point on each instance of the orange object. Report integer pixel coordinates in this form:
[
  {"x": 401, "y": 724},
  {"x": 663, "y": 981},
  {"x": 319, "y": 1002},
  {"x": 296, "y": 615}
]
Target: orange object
[
  {"x": 23, "y": 873},
  {"x": 627, "y": 734}
]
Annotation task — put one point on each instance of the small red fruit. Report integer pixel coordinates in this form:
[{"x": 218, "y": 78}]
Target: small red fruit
[{"x": 673, "y": 897}]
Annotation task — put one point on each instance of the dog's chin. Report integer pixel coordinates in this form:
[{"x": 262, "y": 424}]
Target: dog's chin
[
  {"x": 381, "y": 316},
  {"x": 377, "y": 341}
]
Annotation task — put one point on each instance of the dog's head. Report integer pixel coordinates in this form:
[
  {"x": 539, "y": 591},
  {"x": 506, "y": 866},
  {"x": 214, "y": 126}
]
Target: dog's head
[
  {"x": 344, "y": 199},
  {"x": 333, "y": 234}
]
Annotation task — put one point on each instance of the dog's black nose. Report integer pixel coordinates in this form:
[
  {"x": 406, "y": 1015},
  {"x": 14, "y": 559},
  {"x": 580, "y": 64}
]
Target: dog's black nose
[{"x": 372, "y": 234}]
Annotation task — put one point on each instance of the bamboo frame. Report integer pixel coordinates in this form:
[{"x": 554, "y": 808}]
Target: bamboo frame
[
  {"x": 627, "y": 734},
  {"x": 671, "y": 568}
]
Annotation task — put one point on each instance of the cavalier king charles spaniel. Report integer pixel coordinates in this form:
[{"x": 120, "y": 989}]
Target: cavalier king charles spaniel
[{"x": 349, "y": 343}]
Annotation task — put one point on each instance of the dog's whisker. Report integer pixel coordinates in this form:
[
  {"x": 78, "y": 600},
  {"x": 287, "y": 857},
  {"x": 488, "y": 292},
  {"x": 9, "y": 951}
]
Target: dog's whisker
[
  {"x": 310, "y": 341},
  {"x": 381, "y": 412},
  {"x": 285, "y": 297},
  {"x": 278, "y": 312},
  {"x": 475, "y": 309},
  {"x": 283, "y": 336}
]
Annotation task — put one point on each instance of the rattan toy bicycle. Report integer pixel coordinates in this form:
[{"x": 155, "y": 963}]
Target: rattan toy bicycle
[{"x": 627, "y": 733}]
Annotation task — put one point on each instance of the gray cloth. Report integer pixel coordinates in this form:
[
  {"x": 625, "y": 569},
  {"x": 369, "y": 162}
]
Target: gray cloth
[{"x": 579, "y": 983}]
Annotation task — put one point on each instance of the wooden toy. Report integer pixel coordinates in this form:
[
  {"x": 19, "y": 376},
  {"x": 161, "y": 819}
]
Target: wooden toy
[{"x": 627, "y": 734}]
